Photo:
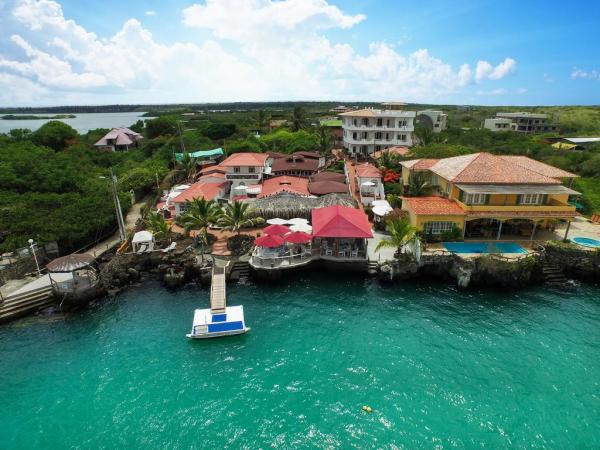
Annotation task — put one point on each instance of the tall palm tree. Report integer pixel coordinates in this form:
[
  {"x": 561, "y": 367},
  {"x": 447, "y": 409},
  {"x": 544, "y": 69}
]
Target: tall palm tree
[
  {"x": 401, "y": 233},
  {"x": 188, "y": 166},
  {"x": 237, "y": 215},
  {"x": 299, "y": 120},
  {"x": 324, "y": 141},
  {"x": 200, "y": 215},
  {"x": 424, "y": 135}
]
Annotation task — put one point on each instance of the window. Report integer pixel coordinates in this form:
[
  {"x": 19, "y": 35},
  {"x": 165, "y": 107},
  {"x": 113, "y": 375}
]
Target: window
[
  {"x": 387, "y": 123},
  {"x": 184, "y": 207},
  {"x": 402, "y": 137},
  {"x": 379, "y": 122},
  {"x": 378, "y": 147},
  {"x": 438, "y": 227},
  {"x": 236, "y": 170},
  {"x": 531, "y": 199},
  {"x": 402, "y": 123},
  {"x": 251, "y": 169},
  {"x": 378, "y": 135},
  {"x": 354, "y": 135},
  {"x": 365, "y": 122},
  {"x": 354, "y": 122},
  {"x": 364, "y": 135},
  {"x": 475, "y": 199}
]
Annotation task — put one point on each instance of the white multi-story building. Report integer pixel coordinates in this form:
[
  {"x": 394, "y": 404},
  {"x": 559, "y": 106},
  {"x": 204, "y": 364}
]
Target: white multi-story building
[
  {"x": 369, "y": 130},
  {"x": 245, "y": 171},
  {"x": 432, "y": 119},
  {"x": 524, "y": 122}
]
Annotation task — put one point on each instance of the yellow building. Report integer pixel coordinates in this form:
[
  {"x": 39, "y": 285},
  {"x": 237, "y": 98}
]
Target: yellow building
[{"x": 486, "y": 195}]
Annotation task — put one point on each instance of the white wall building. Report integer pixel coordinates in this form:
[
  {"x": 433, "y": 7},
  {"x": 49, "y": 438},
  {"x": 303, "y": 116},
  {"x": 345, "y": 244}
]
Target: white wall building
[
  {"x": 523, "y": 122},
  {"x": 369, "y": 130},
  {"x": 435, "y": 120},
  {"x": 245, "y": 169}
]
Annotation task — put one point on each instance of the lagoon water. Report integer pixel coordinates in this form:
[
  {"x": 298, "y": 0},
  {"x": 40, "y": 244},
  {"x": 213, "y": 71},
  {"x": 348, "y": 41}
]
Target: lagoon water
[
  {"x": 440, "y": 368},
  {"x": 82, "y": 122}
]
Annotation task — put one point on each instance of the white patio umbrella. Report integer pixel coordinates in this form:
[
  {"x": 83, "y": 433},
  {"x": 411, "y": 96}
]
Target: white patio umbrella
[
  {"x": 297, "y": 221},
  {"x": 304, "y": 227},
  {"x": 277, "y": 221},
  {"x": 368, "y": 183},
  {"x": 241, "y": 187}
]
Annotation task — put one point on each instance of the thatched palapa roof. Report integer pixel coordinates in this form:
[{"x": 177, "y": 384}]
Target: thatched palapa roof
[{"x": 288, "y": 206}]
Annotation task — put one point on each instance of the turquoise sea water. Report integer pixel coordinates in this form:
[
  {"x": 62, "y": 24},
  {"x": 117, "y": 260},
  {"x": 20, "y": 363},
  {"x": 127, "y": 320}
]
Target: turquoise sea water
[{"x": 440, "y": 368}]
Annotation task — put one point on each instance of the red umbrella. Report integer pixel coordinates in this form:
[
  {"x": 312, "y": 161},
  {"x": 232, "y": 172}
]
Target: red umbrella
[
  {"x": 276, "y": 229},
  {"x": 298, "y": 237},
  {"x": 269, "y": 241}
]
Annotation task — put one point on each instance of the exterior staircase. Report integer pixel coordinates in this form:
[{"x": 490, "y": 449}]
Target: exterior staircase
[
  {"x": 372, "y": 267},
  {"x": 239, "y": 270},
  {"x": 16, "y": 306},
  {"x": 553, "y": 275}
]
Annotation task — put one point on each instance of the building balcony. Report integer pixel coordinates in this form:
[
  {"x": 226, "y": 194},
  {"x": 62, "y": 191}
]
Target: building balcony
[
  {"x": 351, "y": 128},
  {"x": 553, "y": 209},
  {"x": 243, "y": 176}
]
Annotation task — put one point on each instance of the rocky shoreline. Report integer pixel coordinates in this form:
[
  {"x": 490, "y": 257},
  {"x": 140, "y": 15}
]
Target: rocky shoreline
[{"x": 186, "y": 266}]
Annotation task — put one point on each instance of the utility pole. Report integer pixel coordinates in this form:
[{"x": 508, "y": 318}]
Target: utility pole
[{"x": 120, "y": 221}]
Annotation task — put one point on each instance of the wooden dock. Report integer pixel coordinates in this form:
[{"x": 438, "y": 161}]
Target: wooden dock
[{"x": 217, "y": 290}]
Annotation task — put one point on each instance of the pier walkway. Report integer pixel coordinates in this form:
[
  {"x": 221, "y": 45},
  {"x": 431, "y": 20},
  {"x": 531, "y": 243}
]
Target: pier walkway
[{"x": 217, "y": 290}]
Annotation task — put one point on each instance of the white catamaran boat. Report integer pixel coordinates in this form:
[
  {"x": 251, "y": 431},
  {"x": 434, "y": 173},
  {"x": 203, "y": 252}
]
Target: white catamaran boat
[{"x": 208, "y": 324}]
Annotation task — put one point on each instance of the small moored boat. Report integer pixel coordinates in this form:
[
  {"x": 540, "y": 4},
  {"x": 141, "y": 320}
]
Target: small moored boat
[{"x": 208, "y": 324}]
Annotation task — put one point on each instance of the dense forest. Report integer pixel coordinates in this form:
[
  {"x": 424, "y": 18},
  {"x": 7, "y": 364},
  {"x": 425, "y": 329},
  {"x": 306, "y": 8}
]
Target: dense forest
[{"x": 54, "y": 185}]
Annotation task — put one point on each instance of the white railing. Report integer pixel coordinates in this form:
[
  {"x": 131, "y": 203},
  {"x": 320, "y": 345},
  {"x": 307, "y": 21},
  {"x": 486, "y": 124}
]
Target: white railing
[{"x": 278, "y": 261}]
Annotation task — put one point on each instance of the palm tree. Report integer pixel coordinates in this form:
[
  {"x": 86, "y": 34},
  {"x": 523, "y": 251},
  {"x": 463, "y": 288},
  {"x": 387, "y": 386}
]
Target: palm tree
[
  {"x": 389, "y": 161},
  {"x": 188, "y": 166},
  {"x": 237, "y": 215},
  {"x": 156, "y": 223},
  {"x": 401, "y": 233},
  {"x": 418, "y": 184},
  {"x": 299, "y": 120},
  {"x": 200, "y": 215},
  {"x": 324, "y": 141},
  {"x": 424, "y": 135}
]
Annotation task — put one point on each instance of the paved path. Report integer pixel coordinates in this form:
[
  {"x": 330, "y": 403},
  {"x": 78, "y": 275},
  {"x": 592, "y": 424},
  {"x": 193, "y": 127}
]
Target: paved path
[{"x": 132, "y": 216}]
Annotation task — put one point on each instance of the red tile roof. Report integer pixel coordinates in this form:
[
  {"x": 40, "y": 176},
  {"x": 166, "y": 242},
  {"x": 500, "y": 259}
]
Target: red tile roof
[
  {"x": 210, "y": 169},
  {"x": 207, "y": 191},
  {"x": 433, "y": 206},
  {"x": 245, "y": 159},
  {"x": 539, "y": 167},
  {"x": 395, "y": 150},
  {"x": 340, "y": 222},
  {"x": 276, "y": 185},
  {"x": 208, "y": 176},
  {"x": 327, "y": 187},
  {"x": 368, "y": 170}
]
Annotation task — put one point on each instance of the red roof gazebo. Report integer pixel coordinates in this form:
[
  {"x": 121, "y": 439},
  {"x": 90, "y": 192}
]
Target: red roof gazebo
[
  {"x": 340, "y": 222},
  {"x": 269, "y": 241}
]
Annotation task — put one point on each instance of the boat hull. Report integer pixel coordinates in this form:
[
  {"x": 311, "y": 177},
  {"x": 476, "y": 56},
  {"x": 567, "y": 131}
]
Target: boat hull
[{"x": 217, "y": 334}]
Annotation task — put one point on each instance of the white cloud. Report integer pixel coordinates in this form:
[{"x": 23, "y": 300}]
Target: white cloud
[
  {"x": 590, "y": 75},
  {"x": 150, "y": 13},
  {"x": 485, "y": 71},
  {"x": 521, "y": 91},
  {"x": 257, "y": 50}
]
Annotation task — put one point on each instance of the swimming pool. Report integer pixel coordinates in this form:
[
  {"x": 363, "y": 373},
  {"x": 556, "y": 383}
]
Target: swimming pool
[
  {"x": 484, "y": 247},
  {"x": 587, "y": 242}
]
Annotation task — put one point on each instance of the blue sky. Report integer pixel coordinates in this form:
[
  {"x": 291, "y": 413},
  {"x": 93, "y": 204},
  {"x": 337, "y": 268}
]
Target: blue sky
[{"x": 459, "y": 52}]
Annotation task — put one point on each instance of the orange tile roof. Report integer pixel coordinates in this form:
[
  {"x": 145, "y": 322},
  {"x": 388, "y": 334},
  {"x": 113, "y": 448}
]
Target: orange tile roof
[
  {"x": 539, "y": 167},
  {"x": 207, "y": 191},
  {"x": 208, "y": 176},
  {"x": 276, "y": 185},
  {"x": 367, "y": 170},
  {"x": 245, "y": 159},
  {"x": 209, "y": 169},
  {"x": 489, "y": 169},
  {"x": 396, "y": 150},
  {"x": 419, "y": 164},
  {"x": 359, "y": 113},
  {"x": 433, "y": 206}
]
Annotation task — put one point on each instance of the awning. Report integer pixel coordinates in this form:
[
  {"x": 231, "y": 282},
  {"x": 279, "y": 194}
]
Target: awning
[
  {"x": 201, "y": 154},
  {"x": 516, "y": 189},
  {"x": 70, "y": 263},
  {"x": 340, "y": 222}
]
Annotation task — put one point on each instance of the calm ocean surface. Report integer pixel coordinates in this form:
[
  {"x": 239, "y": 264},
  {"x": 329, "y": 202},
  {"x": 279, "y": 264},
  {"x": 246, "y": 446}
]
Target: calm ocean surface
[
  {"x": 82, "y": 123},
  {"x": 440, "y": 368}
]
